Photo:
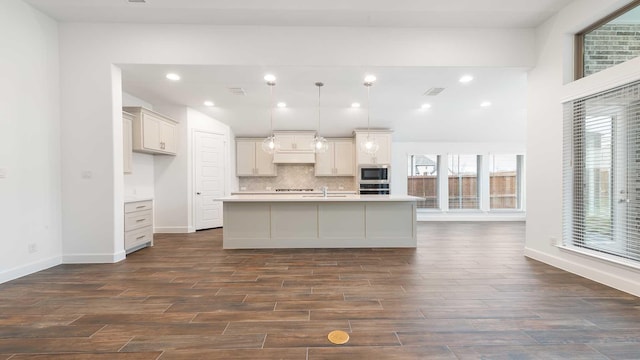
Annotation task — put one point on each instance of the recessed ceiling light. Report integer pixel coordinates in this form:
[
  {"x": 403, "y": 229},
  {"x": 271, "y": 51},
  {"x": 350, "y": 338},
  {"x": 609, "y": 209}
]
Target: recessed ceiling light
[
  {"x": 369, "y": 79},
  {"x": 209, "y": 103},
  {"x": 269, "y": 78},
  {"x": 282, "y": 105},
  {"x": 173, "y": 76},
  {"x": 485, "y": 104},
  {"x": 355, "y": 105},
  {"x": 426, "y": 106},
  {"x": 466, "y": 78}
]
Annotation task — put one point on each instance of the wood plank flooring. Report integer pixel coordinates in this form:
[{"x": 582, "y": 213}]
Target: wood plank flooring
[{"x": 466, "y": 292}]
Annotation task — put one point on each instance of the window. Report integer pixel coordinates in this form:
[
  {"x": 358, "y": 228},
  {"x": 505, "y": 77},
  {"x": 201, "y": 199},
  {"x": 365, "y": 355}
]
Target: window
[
  {"x": 423, "y": 179},
  {"x": 602, "y": 173},
  {"x": 611, "y": 41},
  {"x": 505, "y": 181},
  {"x": 463, "y": 182}
]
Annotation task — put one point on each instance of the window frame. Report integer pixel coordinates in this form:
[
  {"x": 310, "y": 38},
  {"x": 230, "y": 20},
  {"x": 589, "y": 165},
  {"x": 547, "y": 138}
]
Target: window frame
[{"x": 579, "y": 37}]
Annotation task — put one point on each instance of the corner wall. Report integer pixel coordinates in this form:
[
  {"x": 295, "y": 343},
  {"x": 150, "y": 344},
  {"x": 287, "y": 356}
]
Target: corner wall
[{"x": 30, "y": 195}]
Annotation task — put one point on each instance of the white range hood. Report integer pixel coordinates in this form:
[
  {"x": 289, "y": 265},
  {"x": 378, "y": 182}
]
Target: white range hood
[{"x": 295, "y": 147}]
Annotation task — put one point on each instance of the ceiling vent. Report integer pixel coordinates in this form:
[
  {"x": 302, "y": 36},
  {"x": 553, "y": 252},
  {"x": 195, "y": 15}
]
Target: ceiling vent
[
  {"x": 433, "y": 91},
  {"x": 237, "y": 91},
  {"x": 138, "y": 1}
]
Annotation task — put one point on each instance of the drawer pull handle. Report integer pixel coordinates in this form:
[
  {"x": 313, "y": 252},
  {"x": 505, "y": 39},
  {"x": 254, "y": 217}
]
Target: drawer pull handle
[
  {"x": 141, "y": 207},
  {"x": 140, "y": 220},
  {"x": 140, "y": 237}
]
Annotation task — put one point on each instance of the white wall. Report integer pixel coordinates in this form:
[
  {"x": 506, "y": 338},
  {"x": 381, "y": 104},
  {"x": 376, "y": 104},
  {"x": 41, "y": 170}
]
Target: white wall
[
  {"x": 544, "y": 138},
  {"x": 89, "y": 119},
  {"x": 29, "y": 141}
]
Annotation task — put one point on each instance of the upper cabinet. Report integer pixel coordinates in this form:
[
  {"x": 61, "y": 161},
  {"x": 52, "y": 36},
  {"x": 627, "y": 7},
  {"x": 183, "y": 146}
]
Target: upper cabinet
[
  {"x": 127, "y": 128},
  {"x": 382, "y": 156},
  {"x": 251, "y": 160},
  {"x": 295, "y": 147},
  {"x": 338, "y": 160},
  {"x": 153, "y": 133}
]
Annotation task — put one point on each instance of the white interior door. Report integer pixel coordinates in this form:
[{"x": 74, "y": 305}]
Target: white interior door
[{"x": 209, "y": 179}]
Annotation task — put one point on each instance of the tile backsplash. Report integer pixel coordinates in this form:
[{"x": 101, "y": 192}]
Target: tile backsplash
[{"x": 297, "y": 177}]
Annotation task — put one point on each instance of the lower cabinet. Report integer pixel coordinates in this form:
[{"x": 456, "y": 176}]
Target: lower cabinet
[{"x": 138, "y": 225}]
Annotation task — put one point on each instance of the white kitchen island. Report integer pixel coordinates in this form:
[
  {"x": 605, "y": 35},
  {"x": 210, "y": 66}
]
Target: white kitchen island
[{"x": 315, "y": 221}]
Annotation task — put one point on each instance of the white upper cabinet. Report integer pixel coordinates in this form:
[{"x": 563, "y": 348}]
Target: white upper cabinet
[
  {"x": 251, "y": 160},
  {"x": 338, "y": 160},
  {"x": 382, "y": 156},
  {"x": 153, "y": 133}
]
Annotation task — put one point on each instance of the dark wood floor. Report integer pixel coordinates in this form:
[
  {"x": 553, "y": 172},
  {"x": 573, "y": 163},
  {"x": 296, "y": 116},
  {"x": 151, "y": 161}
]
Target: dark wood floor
[{"x": 466, "y": 292}]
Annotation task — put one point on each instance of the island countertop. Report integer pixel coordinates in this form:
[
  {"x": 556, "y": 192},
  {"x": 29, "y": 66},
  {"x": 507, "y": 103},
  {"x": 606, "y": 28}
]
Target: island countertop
[{"x": 318, "y": 198}]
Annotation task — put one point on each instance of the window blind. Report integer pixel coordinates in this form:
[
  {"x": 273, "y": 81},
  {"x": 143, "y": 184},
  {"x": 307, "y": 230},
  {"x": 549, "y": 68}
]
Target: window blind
[{"x": 601, "y": 172}]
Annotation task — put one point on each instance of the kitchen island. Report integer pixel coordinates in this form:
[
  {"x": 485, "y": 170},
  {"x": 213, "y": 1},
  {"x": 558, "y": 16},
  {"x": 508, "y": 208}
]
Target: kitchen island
[{"x": 317, "y": 221}]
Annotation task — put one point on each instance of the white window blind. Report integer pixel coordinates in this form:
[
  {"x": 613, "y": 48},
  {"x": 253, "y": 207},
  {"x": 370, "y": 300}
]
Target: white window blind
[{"x": 602, "y": 173}]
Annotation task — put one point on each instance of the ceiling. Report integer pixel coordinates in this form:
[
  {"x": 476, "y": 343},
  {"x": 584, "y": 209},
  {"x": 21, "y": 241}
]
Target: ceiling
[
  {"x": 369, "y": 13},
  {"x": 396, "y": 98}
]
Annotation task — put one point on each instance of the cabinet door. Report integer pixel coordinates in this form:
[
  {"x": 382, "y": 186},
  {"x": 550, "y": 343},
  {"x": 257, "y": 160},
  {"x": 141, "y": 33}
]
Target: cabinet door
[
  {"x": 168, "y": 141},
  {"x": 343, "y": 158},
  {"x": 264, "y": 162},
  {"x": 127, "y": 144},
  {"x": 324, "y": 161},
  {"x": 151, "y": 132},
  {"x": 245, "y": 158},
  {"x": 287, "y": 142}
]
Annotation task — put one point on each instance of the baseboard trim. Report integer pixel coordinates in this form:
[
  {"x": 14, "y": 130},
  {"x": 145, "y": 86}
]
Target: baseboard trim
[
  {"x": 471, "y": 217},
  {"x": 94, "y": 258},
  {"x": 172, "y": 229},
  {"x": 29, "y": 269},
  {"x": 597, "y": 275}
]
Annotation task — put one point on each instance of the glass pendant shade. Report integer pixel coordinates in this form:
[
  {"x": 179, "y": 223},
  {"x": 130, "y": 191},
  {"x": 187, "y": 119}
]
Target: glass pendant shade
[
  {"x": 369, "y": 146},
  {"x": 319, "y": 144},
  {"x": 269, "y": 144}
]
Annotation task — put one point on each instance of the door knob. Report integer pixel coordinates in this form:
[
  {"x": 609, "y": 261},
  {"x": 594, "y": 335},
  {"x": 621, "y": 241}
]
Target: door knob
[{"x": 198, "y": 193}]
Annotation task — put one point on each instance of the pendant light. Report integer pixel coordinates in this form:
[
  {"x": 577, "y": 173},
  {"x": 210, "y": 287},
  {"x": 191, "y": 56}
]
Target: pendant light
[
  {"x": 270, "y": 145},
  {"x": 319, "y": 143},
  {"x": 369, "y": 145}
]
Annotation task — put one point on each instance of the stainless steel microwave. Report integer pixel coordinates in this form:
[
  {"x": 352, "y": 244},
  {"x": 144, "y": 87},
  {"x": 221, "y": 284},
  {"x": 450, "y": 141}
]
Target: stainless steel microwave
[{"x": 374, "y": 174}]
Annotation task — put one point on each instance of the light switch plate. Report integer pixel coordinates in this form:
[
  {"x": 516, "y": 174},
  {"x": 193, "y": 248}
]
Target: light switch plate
[
  {"x": 3, "y": 173},
  {"x": 87, "y": 174}
]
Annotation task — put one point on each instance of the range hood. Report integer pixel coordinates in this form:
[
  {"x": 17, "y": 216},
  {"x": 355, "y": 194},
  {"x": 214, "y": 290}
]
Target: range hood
[
  {"x": 295, "y": 147},
  {"x": 291, "y": 157}
]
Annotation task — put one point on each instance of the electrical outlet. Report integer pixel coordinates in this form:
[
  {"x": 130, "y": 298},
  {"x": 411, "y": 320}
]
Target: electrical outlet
[
  {"x": 33, "y": 248},
  {"x": 553, "y": 241},
  {"x": 86, "y": 174},
  {"x": 268, "y": 188},
  {"x": 3, "y": 173}
]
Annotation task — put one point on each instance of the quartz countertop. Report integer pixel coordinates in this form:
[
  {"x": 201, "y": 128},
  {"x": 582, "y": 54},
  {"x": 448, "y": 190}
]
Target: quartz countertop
[
  {"x": 272, "y": 192},
  {"x": 317, "y": 197},
  {"x": 136, "y": 198}
]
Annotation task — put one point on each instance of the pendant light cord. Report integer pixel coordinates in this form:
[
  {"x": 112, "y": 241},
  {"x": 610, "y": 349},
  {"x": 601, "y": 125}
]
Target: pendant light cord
[
  {"x": 368, "y": 110},
  {"x": 271, "y": 85}
]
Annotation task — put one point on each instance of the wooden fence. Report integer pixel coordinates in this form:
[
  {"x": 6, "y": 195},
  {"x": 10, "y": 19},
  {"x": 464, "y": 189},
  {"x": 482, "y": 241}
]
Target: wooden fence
[{"x": 463, "y": 191}]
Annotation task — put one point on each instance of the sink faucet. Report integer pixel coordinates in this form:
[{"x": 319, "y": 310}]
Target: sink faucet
[{"x": 325, "y": 189}]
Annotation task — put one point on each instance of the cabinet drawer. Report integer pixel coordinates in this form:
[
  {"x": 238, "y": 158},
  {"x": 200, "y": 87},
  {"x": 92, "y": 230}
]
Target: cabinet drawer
[
  {"x": 138, "y": 237},
  {"x": 138, "y": 206},
  {"x": 137, "y": 220}
]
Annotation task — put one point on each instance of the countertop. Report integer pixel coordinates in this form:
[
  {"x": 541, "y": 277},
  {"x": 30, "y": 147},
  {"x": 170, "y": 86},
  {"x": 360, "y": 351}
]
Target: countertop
[
  {"x": 272, "y": 192},
  {"x": 134, "y": 198},
  {"x": 318, "y": 198}
]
